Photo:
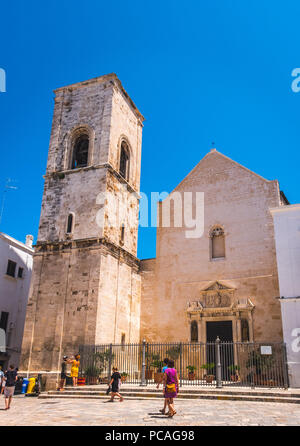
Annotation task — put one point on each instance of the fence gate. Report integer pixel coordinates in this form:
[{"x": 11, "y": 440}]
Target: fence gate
[{"x": 214, "y": 364}]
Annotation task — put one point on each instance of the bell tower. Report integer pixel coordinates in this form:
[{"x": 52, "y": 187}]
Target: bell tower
[{"x": 85, "y": 286}]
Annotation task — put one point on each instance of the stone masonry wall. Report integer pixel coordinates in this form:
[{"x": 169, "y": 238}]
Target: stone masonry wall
[
  {"x": 86, "y": 285},
  {"x": 239, "y": 201}
]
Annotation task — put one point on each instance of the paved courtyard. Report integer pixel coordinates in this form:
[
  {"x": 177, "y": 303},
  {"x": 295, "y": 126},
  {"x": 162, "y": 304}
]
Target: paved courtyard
[{"x": 75, "y": 412}]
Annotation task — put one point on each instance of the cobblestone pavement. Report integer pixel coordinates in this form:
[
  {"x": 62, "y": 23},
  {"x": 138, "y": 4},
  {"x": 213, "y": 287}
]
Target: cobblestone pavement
[{"x": 38, "y": 412}]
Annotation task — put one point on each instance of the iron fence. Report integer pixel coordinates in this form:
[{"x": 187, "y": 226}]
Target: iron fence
[{"x": 213, "y": 364}]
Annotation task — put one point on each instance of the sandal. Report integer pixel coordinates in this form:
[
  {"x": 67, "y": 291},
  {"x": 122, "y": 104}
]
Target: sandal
[{"x": 171, "y": 415}]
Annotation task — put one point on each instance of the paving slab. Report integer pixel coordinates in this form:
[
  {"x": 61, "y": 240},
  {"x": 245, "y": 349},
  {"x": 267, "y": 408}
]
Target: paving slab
[{"x": 79, "y": 412}]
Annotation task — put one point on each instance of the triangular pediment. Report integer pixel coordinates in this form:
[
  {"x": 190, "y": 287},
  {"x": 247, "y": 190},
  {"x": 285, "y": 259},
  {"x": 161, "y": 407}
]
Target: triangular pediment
[{"x": 217, "y": 286}]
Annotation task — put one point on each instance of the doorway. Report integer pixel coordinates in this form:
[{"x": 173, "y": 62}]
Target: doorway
[{"x": 223, "y": 329}]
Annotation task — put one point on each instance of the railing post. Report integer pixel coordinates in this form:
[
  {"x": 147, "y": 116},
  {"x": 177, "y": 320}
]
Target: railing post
[
  {"x": 285, "y": 367},
  {"x": 109, "y": 363},
  {"x": 180, "y": 364},
  {"x": 143, "y": 377},
  {"x": 218, "y": 365}
]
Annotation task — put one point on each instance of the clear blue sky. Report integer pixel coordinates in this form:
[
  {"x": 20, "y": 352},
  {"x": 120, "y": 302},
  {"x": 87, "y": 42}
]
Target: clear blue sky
[{"x": 199, "y": 71}]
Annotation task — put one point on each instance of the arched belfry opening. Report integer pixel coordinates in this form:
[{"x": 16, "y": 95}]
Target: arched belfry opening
[{"x": 80, "y": 151}]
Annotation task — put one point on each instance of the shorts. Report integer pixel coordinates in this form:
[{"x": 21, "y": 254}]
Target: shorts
[
  {"x": 9, "y": 391},
  {"x": 63, "y": 376}
]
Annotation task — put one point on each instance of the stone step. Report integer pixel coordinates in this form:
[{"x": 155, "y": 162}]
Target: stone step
[
  {"x": 154, "y": 396},
  {"x": 158, "y": 392}
]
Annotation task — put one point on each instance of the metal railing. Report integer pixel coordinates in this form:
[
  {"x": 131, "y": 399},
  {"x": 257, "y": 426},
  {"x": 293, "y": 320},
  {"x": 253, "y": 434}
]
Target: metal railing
[{"x": 213, "y": 364}]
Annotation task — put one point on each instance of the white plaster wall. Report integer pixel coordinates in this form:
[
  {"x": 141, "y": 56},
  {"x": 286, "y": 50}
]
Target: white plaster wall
[
  {"x": 14, "y": 292},
  {"x": 287, "y": 234},
  {"x": 287, "y": 239}
]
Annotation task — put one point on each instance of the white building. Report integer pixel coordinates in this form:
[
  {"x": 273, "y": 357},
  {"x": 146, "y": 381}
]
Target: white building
[
  {"x": 15, "y": 276},
  {"x": 287, "y": 239}
]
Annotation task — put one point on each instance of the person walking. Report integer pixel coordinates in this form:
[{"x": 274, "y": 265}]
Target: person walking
[
  {"x": 166, "y": 360},
  {"x": 115, "y": 385},
  {"x": 63, "y": 372},
  {"x": 170, "y": 387},
  {"x": 11, "y": 377},
  {"x": 75, "y": 369}
]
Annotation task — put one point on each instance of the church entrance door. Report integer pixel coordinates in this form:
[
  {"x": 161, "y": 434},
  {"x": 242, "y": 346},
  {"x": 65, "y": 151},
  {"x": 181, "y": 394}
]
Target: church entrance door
[{"x": 223, "y": 329}]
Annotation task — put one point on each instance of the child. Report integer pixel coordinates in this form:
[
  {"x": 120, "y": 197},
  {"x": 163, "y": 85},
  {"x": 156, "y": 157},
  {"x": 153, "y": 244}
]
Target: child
[{"x": 115, "y": 385}]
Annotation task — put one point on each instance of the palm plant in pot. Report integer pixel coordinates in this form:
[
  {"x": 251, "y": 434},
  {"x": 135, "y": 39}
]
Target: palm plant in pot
[
  {"x": 148, "y": 371},
  {"x": 158, "y": 365},
  {"x": 191, "y": 372},
  {"x": 209, "y": 377},
  {"x": 92, "y": 374},
  {"x": 124, "y": 376},
  {"x": 234, "y": 372}
]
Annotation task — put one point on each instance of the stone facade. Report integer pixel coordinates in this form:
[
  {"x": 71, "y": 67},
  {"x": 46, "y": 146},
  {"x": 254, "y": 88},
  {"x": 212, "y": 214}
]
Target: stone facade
[
  {"x": 88, "y": 286},
  {"x": 86, "y": 283},
  {"x": 184, "y": 283}
]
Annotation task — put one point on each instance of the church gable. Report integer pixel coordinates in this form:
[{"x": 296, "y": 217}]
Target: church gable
[{"x": 215, "y": 168}]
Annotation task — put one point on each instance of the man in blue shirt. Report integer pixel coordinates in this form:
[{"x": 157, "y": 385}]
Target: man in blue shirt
[{"x": 166, "y": 360}]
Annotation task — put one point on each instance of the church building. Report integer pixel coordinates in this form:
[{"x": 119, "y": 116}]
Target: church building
[
  {"x": 88, "y": 285},
  {"x": 224, "y": 283}
]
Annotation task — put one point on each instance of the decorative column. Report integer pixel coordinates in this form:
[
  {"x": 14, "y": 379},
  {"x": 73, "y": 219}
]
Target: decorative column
[
  {"x": 251, "y": 329},
  {"x": 200, "y": 323},
  {"x": 238, "y": 329}
]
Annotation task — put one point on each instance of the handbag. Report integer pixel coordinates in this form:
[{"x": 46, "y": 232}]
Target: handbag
[
  {"x": 108, "y": 390},
  {"x": 171, "y": 388}
]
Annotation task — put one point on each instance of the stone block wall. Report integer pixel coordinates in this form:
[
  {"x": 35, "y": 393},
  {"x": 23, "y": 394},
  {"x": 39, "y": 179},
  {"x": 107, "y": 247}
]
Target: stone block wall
[{"x": 238, "y": 200}]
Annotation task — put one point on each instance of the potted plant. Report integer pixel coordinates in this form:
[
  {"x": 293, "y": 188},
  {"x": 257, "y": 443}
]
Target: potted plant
[
  {"x": 234, "y": 372},
  {"x": 150, "y": 359},
  {"x": 209, "y": 377},
  {"x": 81, "y": 381},
  {"x": 158, "y": 375},
  {"x": 191, "y": 372},
  {"x": 259, "y": 366},
  {"x": 124, "y": 377},
  {"x": 91, "y": 374}
]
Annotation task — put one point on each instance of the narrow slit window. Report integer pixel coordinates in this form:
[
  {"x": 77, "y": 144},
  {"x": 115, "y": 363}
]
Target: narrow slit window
[
  {"x": 122, "y": 234},
  {"x": 20, "y": 272},
  {"x": 70, "y": 224},
  {"x": 124, "y": 161}
]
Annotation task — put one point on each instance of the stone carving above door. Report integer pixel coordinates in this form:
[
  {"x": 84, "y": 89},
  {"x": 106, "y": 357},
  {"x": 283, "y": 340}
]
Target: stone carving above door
[
  {"x": 218, "y": 298},
  {"x": 217, "y": 295}
]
